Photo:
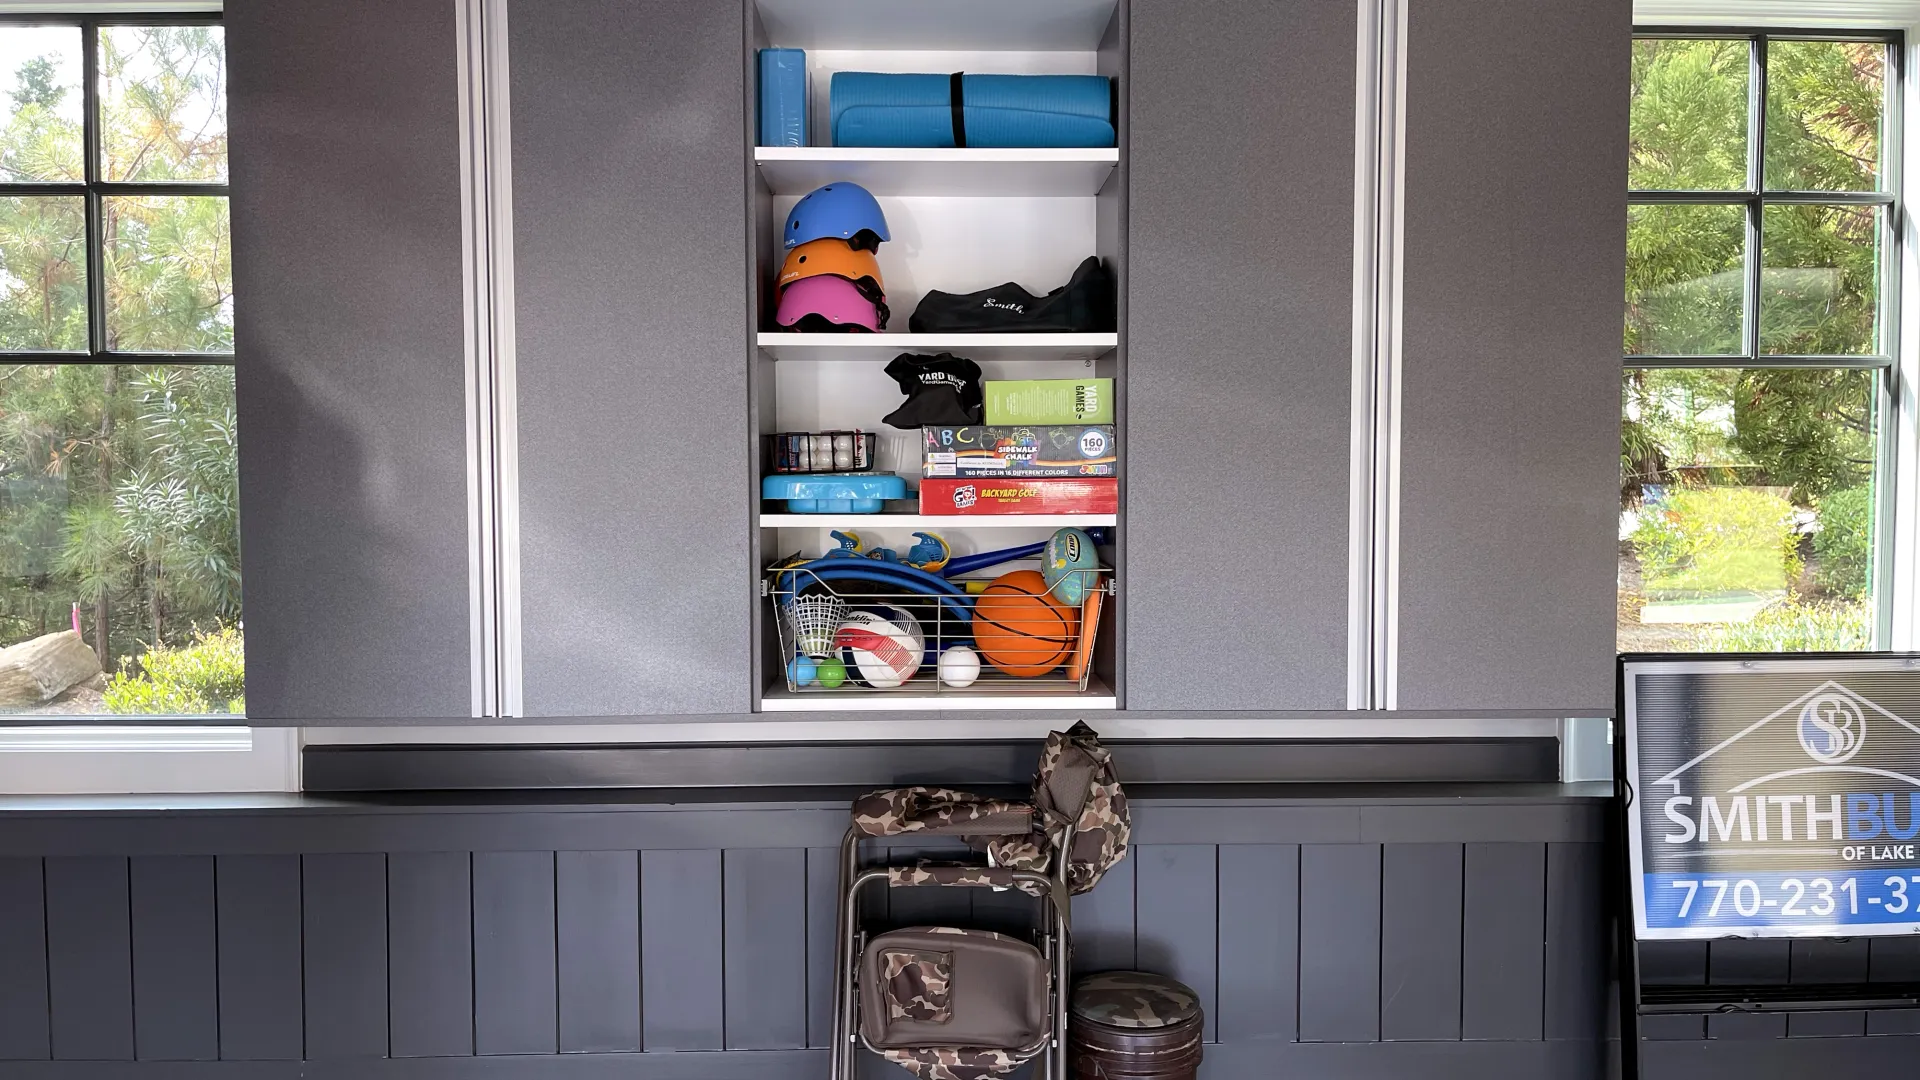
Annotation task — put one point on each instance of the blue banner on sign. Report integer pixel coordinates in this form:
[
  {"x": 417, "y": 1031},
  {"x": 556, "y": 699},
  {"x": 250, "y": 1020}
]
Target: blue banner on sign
[{"x": 1866, "y": 897}]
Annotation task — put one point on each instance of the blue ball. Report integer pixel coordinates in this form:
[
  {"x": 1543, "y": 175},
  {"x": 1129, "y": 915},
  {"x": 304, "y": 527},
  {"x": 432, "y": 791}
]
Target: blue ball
[
  {"x": 1068, "y": 566},
  {"x": 803, "y": 671}
]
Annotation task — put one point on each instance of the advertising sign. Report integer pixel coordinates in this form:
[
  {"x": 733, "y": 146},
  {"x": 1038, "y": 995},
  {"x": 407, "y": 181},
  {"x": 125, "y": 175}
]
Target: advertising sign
[{"x": 1774, "y": 797}]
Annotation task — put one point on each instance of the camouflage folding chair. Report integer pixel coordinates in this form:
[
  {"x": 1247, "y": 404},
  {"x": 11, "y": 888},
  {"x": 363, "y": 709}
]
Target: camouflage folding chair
[{"x": 949, "y": 1003}]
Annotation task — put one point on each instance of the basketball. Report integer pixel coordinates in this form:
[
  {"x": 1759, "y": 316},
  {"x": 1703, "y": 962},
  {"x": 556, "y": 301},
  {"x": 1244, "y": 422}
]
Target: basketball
[{"x": 1021, "y": 629}]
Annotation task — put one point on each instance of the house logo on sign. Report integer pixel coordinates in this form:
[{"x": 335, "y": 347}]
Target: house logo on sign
[
  {"x": 1830, "y": 767},
  {"x": 1832, "y": 728}
]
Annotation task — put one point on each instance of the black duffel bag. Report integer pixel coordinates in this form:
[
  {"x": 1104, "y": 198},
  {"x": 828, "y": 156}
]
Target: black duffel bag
[{"x": 1084, "y": 305}]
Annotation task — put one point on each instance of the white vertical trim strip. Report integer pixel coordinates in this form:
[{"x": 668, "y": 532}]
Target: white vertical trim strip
[
  {"x": 1387, "y": 463},
  {"x": 493, "y": 474},
  {"x": 506, "y": 413},
  {"x": 1902, "y": 590},
  {"x": 1373, "y": 638},
  {"x": 477, "y": 341},
  {"x": 1360, "y": 652}
]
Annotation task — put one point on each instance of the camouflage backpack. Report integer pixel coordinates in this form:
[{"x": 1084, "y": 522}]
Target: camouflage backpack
[{"x": 1079, "y": 811}]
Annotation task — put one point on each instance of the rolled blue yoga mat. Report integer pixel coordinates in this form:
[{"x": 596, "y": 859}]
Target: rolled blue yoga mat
[{"x": 1012, "y": 111}]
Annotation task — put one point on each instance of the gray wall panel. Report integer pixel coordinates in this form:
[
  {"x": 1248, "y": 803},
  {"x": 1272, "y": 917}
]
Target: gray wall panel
[
  {"x": 1340, "y": 942},
  {"x": 89, "y": 959},
  {"x": 1503, "y": 941},
  {"x": 1259, "y": 942},
  {"x": 597, "y": 896},
  {"x": 1893, "y": 960},
  {"x": 1735, "y": 961},
  {"x": 628, "y": 178},
  {"x": 1420, "y": 941},
  {"x": 681, "y": 951},
  {"x": 347, "y": 276},
  {"x": 1511, "y": 362},
  {"x": 1175, "y": 896},
  {"x": 1103, "y": 921},
  {"x": 430, "y": 954},
  {"x": 1578, "y": 944},
  {"x": 823, "y": 912},
  {"x": 765, "y": 946},
  {"x": 176, "y": 1007},
  {"x": 515, "y": 996},
  {"x": 344, "y": 933},
  {"x": 1239, "y": 334},
  {"x": 23, "y": 940},
  {"x": 259, "y": 907}
]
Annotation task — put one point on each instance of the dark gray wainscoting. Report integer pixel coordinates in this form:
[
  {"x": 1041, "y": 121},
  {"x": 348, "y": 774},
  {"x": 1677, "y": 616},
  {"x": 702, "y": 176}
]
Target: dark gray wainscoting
[
  {"x": 1780, "y": 1045},
  {"x": 1334, "y": 933}
]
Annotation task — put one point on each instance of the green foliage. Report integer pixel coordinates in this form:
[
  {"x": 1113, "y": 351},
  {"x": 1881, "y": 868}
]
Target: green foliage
[
  {"x": 205, "y": 676},
  {"x": 1808, "y": 430},
  {"x": 1843, "y": 548},
  {"x": 118, "y": 484},
  {"x": 1795, "y": 627},
  {"x": 1704, "y": 542}
]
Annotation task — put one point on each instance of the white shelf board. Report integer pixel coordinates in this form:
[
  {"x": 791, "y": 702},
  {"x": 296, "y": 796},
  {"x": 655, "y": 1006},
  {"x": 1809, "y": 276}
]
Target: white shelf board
[
  {"x": 796, "y": 170},
  {"x": 842, "y": 701},
  {"x": 1053, "y": 26},
  {"x": 880, "y": 348},
  {"x": 938, "y": 521}
]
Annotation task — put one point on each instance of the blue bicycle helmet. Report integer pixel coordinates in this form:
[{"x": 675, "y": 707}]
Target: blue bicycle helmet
[{"x": 846, "y": 211}]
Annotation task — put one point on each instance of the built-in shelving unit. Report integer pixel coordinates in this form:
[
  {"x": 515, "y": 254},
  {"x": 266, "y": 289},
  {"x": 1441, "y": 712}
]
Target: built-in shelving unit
[
  {"x": 936, "y": 521},
  {"x": 961, "y": 219},
  {"x": 796, "y": 170},
  {"x": 880, "y": 348}
]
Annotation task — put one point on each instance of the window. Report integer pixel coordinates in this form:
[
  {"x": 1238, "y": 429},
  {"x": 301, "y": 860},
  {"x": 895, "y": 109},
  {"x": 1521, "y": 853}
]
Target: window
[
  {"x": 119, "y": 539},
  {"x": 1761, "y": 235}
]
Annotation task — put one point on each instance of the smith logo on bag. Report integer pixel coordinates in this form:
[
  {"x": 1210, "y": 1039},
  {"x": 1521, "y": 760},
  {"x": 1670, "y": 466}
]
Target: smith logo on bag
[{"x": 1774, "y": 797}]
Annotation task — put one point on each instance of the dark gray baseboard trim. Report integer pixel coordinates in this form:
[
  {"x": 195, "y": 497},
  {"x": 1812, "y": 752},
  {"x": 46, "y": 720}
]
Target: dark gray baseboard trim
[{"x": 403, "y": 767}]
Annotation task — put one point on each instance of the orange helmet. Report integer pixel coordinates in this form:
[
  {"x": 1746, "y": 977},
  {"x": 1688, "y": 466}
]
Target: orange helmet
[{"x": 832, "y": 255}]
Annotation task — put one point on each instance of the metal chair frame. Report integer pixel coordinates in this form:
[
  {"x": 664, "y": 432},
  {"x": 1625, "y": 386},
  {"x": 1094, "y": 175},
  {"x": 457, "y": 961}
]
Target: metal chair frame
[{"x": 851, "y": 940}]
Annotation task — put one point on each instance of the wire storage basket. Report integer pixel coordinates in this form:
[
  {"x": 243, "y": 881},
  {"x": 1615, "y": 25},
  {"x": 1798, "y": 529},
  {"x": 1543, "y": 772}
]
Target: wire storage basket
[{"x": 857, "y": 636}]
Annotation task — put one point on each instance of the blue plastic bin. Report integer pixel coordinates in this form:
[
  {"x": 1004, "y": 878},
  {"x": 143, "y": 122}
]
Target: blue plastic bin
[{"x": 843, "y": 493}]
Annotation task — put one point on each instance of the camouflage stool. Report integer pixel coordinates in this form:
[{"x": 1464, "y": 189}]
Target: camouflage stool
[{"x": 1134, "y": 1025}]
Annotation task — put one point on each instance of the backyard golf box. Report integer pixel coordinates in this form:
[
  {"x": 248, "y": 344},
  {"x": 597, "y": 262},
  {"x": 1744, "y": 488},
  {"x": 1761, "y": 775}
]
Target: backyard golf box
[
  {"x": 984, "y": 498},
  {"x": 1050, "y": 401},
  {"x": 1021, "y": 452}
]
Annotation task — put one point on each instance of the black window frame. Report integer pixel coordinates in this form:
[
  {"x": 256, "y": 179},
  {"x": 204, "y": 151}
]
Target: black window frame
[
  {"x": 94, "y": 189},
  {"x": 1755, "y": 197}
]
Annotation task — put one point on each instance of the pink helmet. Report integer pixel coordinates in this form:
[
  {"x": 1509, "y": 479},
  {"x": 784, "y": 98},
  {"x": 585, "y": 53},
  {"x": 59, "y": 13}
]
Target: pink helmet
[{"x": 828, "y": 303}]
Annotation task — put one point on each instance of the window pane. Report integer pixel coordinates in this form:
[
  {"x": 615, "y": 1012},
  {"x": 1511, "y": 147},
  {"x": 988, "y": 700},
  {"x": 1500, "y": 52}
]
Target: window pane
[
  {"x": 41, "y": 66},
  {"x": 163, "y": 103},
  {"x": 1746, "y": 519},
  {"x": 1819, "y": 280},
  {"x": 1823, "y": 115},
  {"x": 1685, "y": 279},
  {"x": 1689, "y": 115},
  {"x": 169, "y": 274},
  {"x": 43, "y": 274},
  {"x": 118, "y": 516}
]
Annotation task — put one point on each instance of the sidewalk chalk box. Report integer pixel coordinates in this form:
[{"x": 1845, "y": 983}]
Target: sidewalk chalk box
[
  {"x": 1049, "y": 401},
  {"x": 992, "y": 498},
  {"x": 1021, "y": 452}
]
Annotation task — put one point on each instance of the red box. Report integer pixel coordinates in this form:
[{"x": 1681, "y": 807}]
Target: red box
[{"x": 993, "y": 497}]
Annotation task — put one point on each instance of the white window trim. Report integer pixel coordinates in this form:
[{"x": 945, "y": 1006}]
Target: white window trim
[{"x": 105, "y": 759}]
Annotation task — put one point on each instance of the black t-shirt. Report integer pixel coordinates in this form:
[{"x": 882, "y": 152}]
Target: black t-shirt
[{"x": 942, "y": 391}]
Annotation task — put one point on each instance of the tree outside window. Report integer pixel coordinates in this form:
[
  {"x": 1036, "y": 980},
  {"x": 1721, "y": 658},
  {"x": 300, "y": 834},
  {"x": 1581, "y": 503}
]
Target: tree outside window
[
  {"x": 119, "y": 520},
  {"x": 1759, "y": 272}
]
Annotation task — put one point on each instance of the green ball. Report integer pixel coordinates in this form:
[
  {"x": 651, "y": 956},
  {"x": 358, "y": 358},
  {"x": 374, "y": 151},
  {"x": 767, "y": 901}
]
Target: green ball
[{"x": 831, "y": 673}]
